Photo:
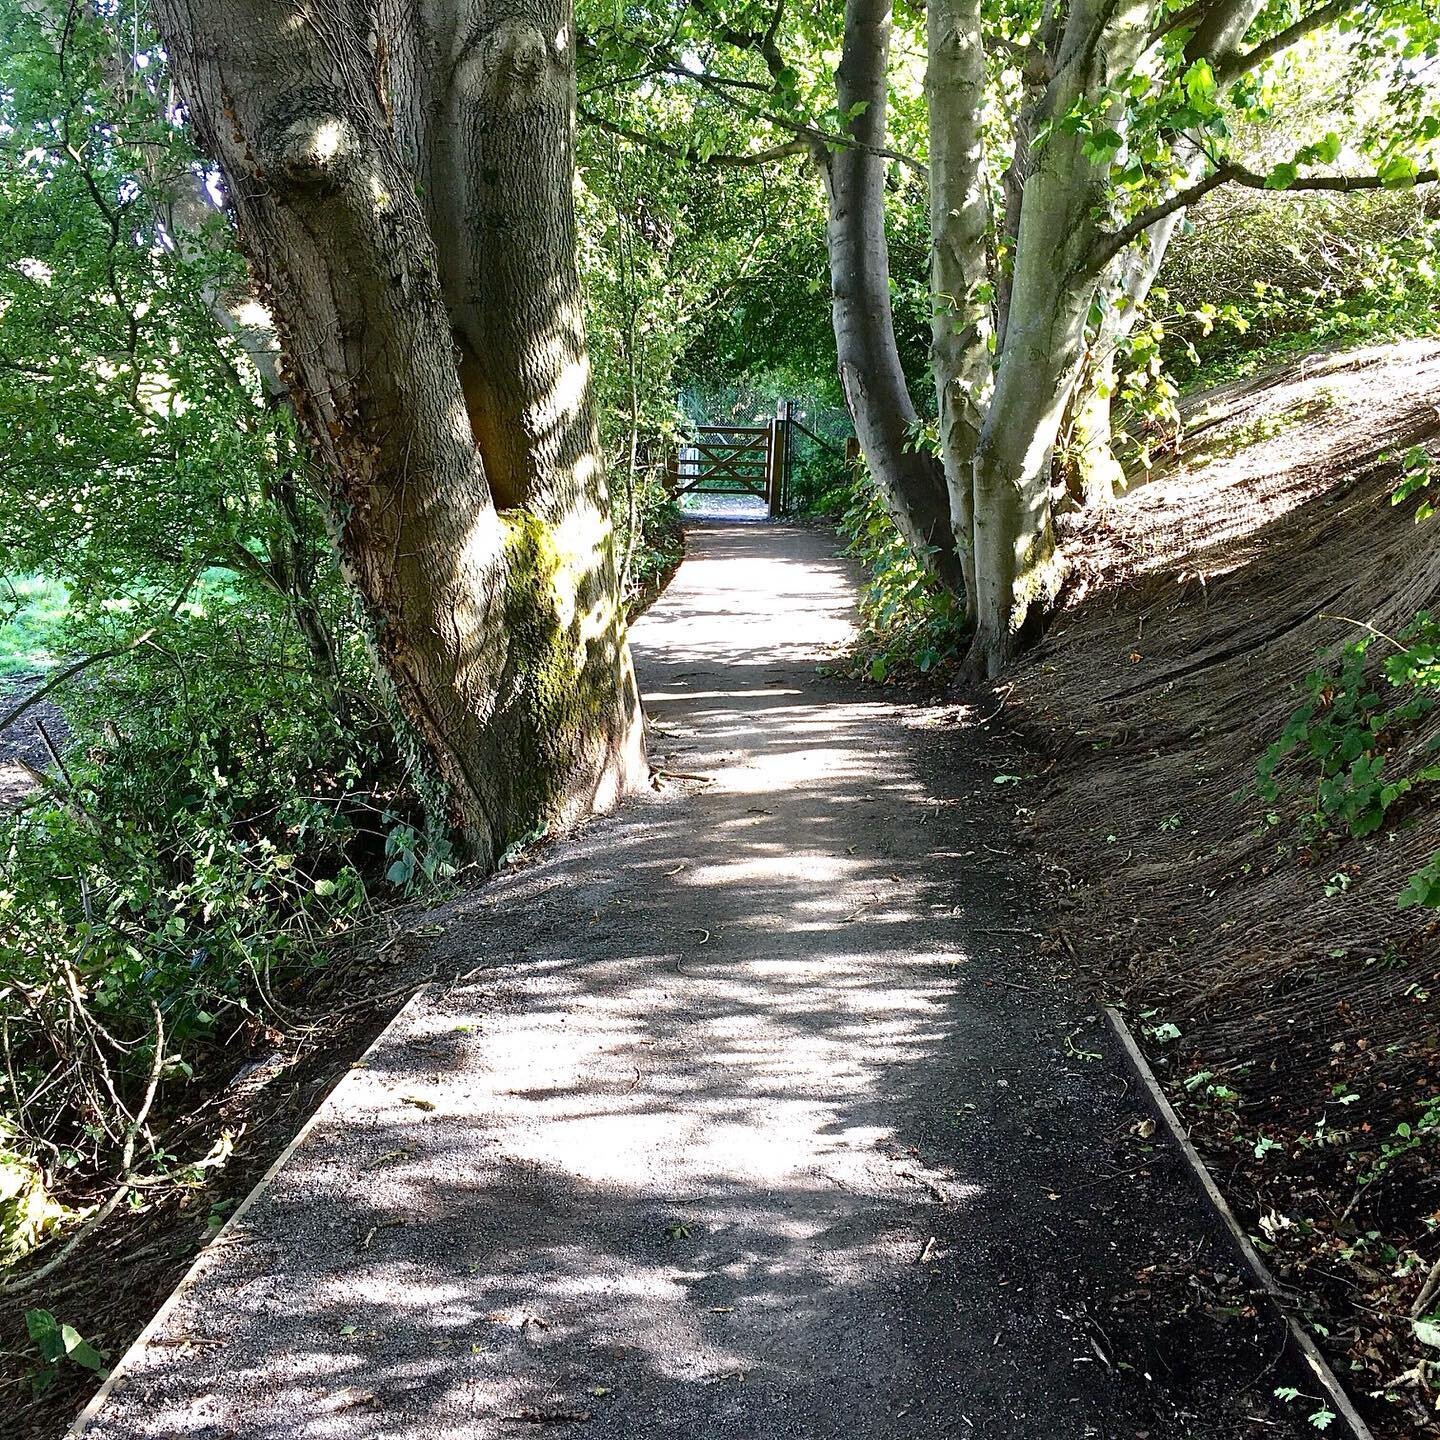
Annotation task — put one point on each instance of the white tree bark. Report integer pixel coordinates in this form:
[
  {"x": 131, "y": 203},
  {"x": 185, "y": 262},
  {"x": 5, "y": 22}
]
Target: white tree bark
[
  {"x": 961, "y": 284},
  {"x": 1016, "y": 567}
]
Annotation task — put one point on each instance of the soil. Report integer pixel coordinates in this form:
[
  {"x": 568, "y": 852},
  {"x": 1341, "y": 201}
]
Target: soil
[
  {"x": 22, "y": 744},
  {"x": 755, "y": 1110},
  {"x": 1258, "y": 963}
]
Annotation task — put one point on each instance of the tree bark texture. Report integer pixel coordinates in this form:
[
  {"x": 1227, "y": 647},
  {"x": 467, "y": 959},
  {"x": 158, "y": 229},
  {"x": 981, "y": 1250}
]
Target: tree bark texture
[
  {"x": 961, "y": 288},
  {"x": 401, "y": 175},
  {"x": 1016, "y": 567},
  {"x": 910, "y": 479}
]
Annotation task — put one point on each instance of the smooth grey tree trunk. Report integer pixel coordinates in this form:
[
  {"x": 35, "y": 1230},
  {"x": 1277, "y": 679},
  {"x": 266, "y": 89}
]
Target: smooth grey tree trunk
[
  {"x": 962, "y": 294},
  {"x": 911, "y": 480},
  {"x": 1017, "y": 572},
  {"x": 402, "y": 178}
]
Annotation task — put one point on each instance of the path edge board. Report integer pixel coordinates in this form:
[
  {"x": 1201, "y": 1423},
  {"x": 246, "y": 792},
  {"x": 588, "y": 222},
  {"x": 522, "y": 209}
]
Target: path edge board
[
  {"x": 118, "y": 1374},
  {"x": 1325, "y": 1377}
]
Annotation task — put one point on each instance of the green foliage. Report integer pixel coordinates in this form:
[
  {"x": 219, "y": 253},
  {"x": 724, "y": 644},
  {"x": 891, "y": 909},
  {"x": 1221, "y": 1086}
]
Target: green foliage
[
  {"x": 1416, "y": 473},
  {"x": 233, "y": 781},
  {"x": 651, "y": 545},
  {"x": 909, "y": 622},
  {"x": 28, "y": 1213},
  {"x": 209, "y": 840},
  {"x": 1407, "y": 1136},
  {"x": 56, "y": 1341},
  {"x": 31, "y": 611},
  {"x": 1265, "y": 276},
  {"x": 1346, "y": 735}
]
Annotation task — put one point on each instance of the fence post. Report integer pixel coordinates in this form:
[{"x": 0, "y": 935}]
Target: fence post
[
  {"x": 772, "y": 479},
  {"x": 788, "y": 424}
]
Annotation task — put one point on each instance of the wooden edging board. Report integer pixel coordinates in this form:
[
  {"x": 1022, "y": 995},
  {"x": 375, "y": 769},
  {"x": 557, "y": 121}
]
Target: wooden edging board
[
  {"x": 227, "y": 1231},
  {"x": 1325, "y": 1377}
]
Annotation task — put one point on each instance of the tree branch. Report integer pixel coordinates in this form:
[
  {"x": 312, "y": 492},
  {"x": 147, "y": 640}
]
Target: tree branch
[
  {"x": 1112, "y": 244},
  {"x": 1252, "y": 180},
  {"x": 1229, "y": 171},
  {"x": 1239, "y": 64},
  {"x": 689, "y": 154},
  {"x": 812, "y": 133}
]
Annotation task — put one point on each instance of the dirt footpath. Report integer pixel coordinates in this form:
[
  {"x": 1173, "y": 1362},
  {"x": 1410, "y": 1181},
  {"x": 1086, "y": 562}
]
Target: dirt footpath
[{"x": 749, "y": 1112}]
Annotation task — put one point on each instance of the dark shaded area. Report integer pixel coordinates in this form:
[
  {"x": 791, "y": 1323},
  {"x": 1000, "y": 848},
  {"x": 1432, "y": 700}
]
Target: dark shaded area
[{"x": 22, "y": 744}]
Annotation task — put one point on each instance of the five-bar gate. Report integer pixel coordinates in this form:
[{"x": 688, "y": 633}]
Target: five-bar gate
[{"x": 735, "y": 460}]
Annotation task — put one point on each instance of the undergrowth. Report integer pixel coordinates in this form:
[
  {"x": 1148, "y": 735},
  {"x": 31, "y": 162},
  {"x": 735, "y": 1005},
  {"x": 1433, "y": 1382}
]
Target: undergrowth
[
  {"x": 225, "y": 818},
  {"x": 1354, "y": 746},
  {"x": 910, "y": 624}
]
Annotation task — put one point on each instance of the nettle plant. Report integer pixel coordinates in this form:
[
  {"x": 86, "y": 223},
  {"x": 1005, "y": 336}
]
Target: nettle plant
[{"x": 1345, "y": 739}]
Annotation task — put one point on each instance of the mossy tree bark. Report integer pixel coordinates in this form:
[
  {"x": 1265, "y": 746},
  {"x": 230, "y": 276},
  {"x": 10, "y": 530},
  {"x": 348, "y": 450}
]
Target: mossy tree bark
[{"x": 401, "y": 176}]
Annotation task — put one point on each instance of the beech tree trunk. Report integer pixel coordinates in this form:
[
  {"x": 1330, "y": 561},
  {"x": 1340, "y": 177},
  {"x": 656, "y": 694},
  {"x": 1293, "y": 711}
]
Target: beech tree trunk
[
  {"x": 401, "y": 175},
  {"x": 910, "y": 479}
]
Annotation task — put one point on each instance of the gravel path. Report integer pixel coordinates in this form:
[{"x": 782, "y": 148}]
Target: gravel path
[{"x": 753, "y": 1111}]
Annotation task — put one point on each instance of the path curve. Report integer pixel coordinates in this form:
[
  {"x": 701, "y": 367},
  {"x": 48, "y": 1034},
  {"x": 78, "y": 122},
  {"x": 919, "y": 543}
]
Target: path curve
[{"x": 749, "y": 1112}]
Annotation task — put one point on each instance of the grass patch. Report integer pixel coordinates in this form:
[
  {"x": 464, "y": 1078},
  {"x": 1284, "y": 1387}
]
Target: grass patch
[{"x": 31, "y": 612}]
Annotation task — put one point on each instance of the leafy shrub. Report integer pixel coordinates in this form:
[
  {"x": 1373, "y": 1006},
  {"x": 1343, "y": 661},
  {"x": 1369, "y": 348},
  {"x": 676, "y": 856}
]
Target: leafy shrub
[
  {"x": 28, "y": 1213},
  {"x": 56, "y": 1341},
  {"x": 1283, "y": 274},
  {"x": 208, "y": 837},
  {"x": 1344, "y": 738},
  {"x": 652, "y": 543},
  {"x": 909, "y": 620}
]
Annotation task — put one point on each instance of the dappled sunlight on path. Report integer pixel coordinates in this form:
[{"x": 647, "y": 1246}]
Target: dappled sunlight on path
[{"x": 747, "y": 1112}]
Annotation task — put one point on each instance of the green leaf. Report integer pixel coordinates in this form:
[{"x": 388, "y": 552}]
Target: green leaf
[
  {"x": 80, "y": 1350},
  {"x": 1398, "y": 172},
  {"x": 1199, "y": 82},
  {"x": 1103, "y": 146}
]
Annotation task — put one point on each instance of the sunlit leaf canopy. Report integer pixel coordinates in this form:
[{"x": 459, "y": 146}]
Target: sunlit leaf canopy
[
  {"x": 726, "y": 81},
  {"x": 137, "y": 445}
]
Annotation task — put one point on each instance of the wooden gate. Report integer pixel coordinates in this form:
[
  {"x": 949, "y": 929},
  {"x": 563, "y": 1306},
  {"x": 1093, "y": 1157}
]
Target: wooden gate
[{"x": 735, "y": 460}]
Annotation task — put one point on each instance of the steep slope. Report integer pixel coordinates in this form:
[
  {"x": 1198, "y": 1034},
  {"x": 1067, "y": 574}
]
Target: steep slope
[{"x": 1290, "y": 1005}]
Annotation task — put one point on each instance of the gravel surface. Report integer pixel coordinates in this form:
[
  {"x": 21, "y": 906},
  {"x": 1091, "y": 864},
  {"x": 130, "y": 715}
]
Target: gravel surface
[{"x": 753, "y": 1111}]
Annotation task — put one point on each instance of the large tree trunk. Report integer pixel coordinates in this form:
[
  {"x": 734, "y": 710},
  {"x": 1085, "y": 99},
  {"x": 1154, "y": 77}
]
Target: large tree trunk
[
  {"x": 1017, "y": 572},
  {"x": 402, "y": 179},
  {"x": 962, "y": 292},
  {"x": 910, "y": 479},
  {"x": 1099, "y": 475}
]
